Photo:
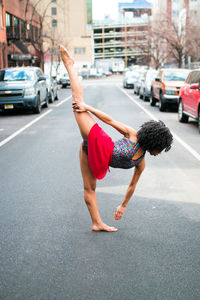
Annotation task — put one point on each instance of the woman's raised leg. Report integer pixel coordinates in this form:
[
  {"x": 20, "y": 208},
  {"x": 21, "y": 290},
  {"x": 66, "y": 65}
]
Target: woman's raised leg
[
  {"x": 84, "y": 119},
  {"x": 89, "y": 182}
]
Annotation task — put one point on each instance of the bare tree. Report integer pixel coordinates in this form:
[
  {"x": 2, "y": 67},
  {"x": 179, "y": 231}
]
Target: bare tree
[{"x": 152, "y": 46}]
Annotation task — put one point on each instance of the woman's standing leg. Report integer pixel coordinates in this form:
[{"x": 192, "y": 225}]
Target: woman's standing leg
[{"x": 89, "y": 182}]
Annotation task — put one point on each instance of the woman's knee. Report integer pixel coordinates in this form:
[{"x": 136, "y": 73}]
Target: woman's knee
[{"x": 90, "y": 188}]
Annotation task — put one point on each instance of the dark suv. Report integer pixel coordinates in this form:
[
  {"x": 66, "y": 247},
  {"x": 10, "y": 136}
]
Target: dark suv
[{"x": 23, "y": 87}]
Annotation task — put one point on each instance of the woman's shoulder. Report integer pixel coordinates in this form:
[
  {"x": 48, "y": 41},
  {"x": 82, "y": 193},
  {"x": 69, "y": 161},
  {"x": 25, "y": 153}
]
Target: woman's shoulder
[{"x": 132, "y": 135}]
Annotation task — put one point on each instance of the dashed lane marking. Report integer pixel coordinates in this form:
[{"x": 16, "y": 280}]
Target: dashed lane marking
[{"x": 184, "y": 144}]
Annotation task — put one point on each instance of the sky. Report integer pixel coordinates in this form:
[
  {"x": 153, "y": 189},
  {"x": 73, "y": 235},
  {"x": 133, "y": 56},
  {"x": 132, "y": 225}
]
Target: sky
[{"x": 106, "y": 7}]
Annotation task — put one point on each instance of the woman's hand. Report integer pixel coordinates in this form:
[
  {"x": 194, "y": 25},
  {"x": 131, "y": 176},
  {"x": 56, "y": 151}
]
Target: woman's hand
[
  {"x": 119, "y": 212},
  {"x": 79, "y": 106}
]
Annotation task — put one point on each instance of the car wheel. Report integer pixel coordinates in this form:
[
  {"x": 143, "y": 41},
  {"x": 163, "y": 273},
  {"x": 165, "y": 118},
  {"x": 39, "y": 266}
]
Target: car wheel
[
  {"x": 144, "y": 96},
  {"x": 199, "y": 120},
  {"x": 46, "y": 105},
  {"x": 152, "y": 99},
  {"x": 56, "y": 96},
  {"x": 38, "y": 108},
  {"x": 140, "y": 96},
  {"x": 162, "y": 104},
  {"x": 51, "y": 99},
  {"x": 181, "y": 117}
]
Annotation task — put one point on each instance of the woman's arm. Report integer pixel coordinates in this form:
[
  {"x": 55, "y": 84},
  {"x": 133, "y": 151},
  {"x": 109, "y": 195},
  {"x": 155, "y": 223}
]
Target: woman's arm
[
  {"x": 122, "y": 128},
  {"x": 130, "y": 190}
]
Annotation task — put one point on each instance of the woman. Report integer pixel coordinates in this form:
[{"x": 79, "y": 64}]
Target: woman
[{"x": 98, "y": 151}]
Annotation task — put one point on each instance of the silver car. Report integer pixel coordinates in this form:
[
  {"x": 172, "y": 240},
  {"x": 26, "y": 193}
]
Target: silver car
[
  {"x": 129, "y": 79},
  {"x": 145, "y": 88}
]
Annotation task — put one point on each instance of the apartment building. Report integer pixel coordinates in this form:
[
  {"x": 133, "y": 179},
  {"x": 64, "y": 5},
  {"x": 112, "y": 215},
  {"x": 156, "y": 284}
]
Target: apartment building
[
  {"x": 23, "y": 26},
  {"x": 67, "y": 22},
  {"x": 3, "y": 40}
]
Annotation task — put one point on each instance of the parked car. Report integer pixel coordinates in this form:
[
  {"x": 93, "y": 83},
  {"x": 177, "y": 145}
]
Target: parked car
[
  {"x": 52, "y": 88},
  {"x": 129, "y": 79},
  {"x": 64, "y": 80},
  {"x": 145, "y": 89},
  {"x": 23, "y": 87},
  {"x": 166, "y": 87},
  {"x": 189, "y": 98},
  {"x": 138, "y": 82}
]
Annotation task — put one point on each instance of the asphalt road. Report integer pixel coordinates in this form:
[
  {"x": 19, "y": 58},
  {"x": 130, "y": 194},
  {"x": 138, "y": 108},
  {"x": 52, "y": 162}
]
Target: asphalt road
[{"x": 47, "y": 250}]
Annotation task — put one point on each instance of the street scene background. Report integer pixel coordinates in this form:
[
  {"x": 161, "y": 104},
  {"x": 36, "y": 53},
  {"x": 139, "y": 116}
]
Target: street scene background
[{"x": 137, "y": 61}]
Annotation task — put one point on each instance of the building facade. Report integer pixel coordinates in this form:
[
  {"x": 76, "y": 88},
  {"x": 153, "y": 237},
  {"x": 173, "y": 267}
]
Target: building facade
[
  {"x": 123, "y": 38},
  {"x": 173, "y": 9},
  {"x": 3, "y": 40},
  {"x": 23, "y": 27},
  {"x": 119, "y": 41},
  {"x": 67, "y": 22}
]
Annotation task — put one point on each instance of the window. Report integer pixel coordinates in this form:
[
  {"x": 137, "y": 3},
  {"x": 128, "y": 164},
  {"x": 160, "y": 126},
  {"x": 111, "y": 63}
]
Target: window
[
  {"x": 23, "y": 36},
  {"x": 54, "y": 23},
  {"x": 53, "y": 11},
  {"x": 16, "y": 27},
  {"x": 54, "y": 1},
  {"x": 8, "y": 20},
  {"x": 9, "y": 26},
  {"x": 194, "y": 77},
  {"x": 79, "y": 50}
]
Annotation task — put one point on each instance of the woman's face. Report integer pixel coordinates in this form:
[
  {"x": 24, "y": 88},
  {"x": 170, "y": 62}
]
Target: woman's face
[{"x": 155, "y": 152}]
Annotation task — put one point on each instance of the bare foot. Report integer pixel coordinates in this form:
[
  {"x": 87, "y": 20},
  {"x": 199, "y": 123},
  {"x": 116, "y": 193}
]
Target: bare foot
[
  {"x": 66, "y": 58},
  {"x": 103, "y": 227}
]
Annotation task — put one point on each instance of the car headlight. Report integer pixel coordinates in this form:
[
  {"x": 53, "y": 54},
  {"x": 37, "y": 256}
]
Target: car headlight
[
  {"x": 169, "y": 90},
  {"x": 29, "y": 92}
]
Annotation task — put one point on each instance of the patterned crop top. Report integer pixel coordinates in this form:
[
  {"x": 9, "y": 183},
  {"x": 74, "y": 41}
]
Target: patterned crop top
[{"x": 123, "y": 153}]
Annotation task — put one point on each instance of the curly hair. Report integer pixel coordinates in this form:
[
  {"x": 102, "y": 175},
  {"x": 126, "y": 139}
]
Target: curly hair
[{"x": 154, "y": 135}]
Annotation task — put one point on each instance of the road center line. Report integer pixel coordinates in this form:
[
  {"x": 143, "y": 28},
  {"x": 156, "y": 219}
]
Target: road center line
[
  {"x": 184, "y": 144},
  {"x": 12, "y": 136}
]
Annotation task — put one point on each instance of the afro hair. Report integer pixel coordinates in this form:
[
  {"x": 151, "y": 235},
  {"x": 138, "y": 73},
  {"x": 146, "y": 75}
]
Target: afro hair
[{"x": 154, "y": 135}]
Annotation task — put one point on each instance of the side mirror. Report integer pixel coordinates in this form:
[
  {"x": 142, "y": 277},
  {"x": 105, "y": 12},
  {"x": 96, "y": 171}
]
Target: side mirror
[
  {"x": 194, "y": 86},
  {"x": 157, "y": 79},
  {"x": 42, "y": 78}
]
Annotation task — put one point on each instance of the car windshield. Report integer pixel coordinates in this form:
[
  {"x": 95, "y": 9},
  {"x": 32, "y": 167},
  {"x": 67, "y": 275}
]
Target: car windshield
[
  {"x": 175, "y": 75},
  {"x": 16, "y": 75},
  {"x": 133, "y": 76}
]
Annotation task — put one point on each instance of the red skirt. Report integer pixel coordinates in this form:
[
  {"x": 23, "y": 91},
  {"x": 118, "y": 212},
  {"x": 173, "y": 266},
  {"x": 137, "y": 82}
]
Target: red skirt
[{"x": 100, "y": 150}]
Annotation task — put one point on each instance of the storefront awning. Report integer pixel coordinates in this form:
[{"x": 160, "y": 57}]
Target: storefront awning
[{"x": 21, "y": 46}]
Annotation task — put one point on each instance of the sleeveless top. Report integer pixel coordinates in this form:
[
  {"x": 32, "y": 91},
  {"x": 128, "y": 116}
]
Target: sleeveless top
[{"x": 123, "y": 153}]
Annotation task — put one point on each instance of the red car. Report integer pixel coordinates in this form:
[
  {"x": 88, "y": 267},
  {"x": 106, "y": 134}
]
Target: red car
[{"x": 189, "y": 98}]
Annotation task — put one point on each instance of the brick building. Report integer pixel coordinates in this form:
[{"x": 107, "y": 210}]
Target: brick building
[
  {"x": 3, "y": 41},
  {"x": 23, "y": 28}
]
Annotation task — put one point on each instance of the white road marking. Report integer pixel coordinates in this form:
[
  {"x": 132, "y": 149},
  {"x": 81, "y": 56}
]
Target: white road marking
[
  {"x": 63, "y": 101},
  {"x": 1, "y": 129},
  {"x": 12, "y": 136},
  {"x": 184, "y": 144}
]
